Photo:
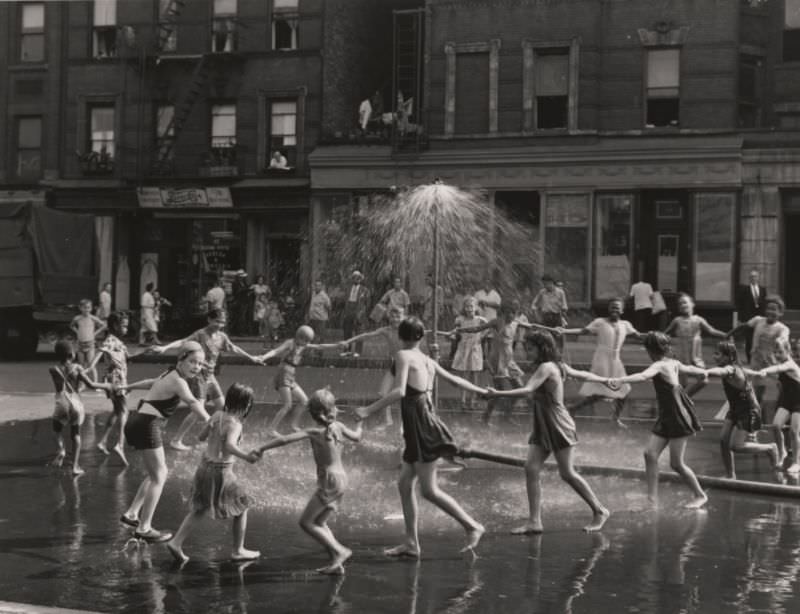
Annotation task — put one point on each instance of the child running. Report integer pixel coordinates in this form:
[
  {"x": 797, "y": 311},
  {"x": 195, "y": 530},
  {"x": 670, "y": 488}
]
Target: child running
[
  {"x": 426, "y": 437},
  {"x": 688, "y": 329},
  {"x": 611, "y": 332},
  {"x": 389, "y": 335},
  {"x": 67, "y": 378},
  {"x": 326, "y": 443},
  {"x": 468, "y": 358},
  {"x": 744, "y": 413},
  {"x": 87, "y": 327},
  {"x": 215, "y": 491},
  {"x": 768, "y": 330},
  {"x": 676, "y": 418},
  {"x": 291, "y": 353},
  {"x": 553, "y": 431},
  {"x": 788, "y": 407}
]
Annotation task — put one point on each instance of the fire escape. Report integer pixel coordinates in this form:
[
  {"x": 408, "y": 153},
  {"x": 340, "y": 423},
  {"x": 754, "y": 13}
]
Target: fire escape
[{"x": 408, "y": 134}]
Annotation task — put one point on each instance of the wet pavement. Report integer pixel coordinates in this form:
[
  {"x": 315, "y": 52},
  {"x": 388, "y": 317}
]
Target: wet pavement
[{"x": 61, "y": 544}]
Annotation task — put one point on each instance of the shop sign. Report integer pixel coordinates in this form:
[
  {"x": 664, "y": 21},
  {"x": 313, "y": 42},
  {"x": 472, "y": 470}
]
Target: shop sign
[{"x": 177, "y": 198}]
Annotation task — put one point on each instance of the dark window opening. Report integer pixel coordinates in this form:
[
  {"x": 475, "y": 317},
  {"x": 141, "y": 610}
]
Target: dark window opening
[
  {"x": 551, "y": 112},
  {"x": 663, "y": 112},
  {"x": 791, "y": 45}
]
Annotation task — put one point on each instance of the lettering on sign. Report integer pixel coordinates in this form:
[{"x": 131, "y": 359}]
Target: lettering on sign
[{"x": 178, "y": 198}]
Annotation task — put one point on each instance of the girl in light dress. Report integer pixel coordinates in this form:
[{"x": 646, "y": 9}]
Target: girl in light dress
[
  {"x": 688, "y": 329},
  {"x": 261, "y": 293},
  {"x": 215, "y": 491},
  {"x": 468, "y": 359},
  {"x": 606, "y": 362}
]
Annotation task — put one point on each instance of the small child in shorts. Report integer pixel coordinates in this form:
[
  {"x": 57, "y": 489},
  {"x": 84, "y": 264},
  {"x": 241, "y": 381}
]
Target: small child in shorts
[
  {"x": 326, "y": 443},
  {"x": 87, "y": 327},
  {"x": 67, "y": 377}
]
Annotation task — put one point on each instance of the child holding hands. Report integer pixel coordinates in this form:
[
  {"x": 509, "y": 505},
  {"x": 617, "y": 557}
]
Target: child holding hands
[
  {"x": 788, "y": 407},
  {"x": 215, "y": 491},
  {"x": 326, "y": 443}
]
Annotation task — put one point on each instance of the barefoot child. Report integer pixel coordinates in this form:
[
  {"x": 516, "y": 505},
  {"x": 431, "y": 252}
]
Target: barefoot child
[
  {"x": 426, "y": 437},
  {"x": 688, "y": 330},
  {"x": 326, "y": 443},
  {"x": 744, "y": 413},
  {"x": 67, "y": 378},
  {"x": 215, "y": 491},
  {"x": 611, "y": 333},
  {"x": 788, "y": 407},
  {"x": 676, "y": 418},
  {"x": 291, "y": 353},
  {"x": 553, "y": 431},
  {"x": 87, "y": 327},
  {"x": 389, "y": 335},
  {"x": 468, "y": 358}
]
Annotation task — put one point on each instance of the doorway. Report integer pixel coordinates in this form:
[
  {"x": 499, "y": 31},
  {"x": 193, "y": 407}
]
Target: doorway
[
  {"x": 664, "y": 239},
  {"x": 791, "y": 279}
]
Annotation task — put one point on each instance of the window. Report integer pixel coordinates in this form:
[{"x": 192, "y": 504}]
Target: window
[
  {"x": 165, "y": 130},
  {"x": 284, "y": 24},
  {"x": 566, "y": 244},
  {"x": 749, "y": 70},
  {"x": 663, "y": 82},
  {"x": 283, "y": 129},
  {"x": 29, "y": 147},
  {"x": 715, "y": 241},
  {"x": 791, "y": 31},
  {"x": 31, "y": 48},
  {"x": 551, "y": 69},
  {"x": 100, "y": 157},
  {"x": 223, "y": 135},
  {"x": 614, "y": 222},
  {"x": 223, "y": 35},
  {"x": 517, "y": 239},
  {"x": 167, "y": 29},
  {"x": 104, "y": 35}
]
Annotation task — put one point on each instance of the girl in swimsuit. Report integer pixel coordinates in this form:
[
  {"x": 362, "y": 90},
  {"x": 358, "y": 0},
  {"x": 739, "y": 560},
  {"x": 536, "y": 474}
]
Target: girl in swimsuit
[
  {"x": 788, "y": 373},
  {"x": 215, "y": 491},
  {"x": 143, "y": 431},
  {"x": 326, "y": 443},
  {"x": 426, "y": 437}
]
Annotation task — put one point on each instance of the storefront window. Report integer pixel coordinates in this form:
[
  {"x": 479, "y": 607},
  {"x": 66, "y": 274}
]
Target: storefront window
[
  {"x": 613, "y": 245},
  {"x": 715, "y": 235},
  {"x": 521, "y": 247},
  {"x": 567, "y": 243}
]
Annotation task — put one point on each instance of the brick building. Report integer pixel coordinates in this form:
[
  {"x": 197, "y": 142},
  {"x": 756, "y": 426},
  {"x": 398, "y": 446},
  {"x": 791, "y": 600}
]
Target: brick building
[
  {"x": 161, "y": 118},
  {"x": 654, "y": 139}
]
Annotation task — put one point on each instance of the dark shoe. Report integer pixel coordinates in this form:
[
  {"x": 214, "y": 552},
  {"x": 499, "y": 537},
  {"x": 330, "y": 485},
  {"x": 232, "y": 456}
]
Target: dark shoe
[
  {"x": 153, "y": 536},
  {"x": 131, "y": 522}
]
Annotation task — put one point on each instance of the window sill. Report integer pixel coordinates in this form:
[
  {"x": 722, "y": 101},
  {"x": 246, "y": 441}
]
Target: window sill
[
  {"x": 28, "y": 66},
  {"x": 218, "y": 171}
]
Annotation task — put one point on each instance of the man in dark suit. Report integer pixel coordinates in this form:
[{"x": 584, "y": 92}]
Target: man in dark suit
[
  {"x": 750, "y": 303},
  {"x": 355, "y": 311}
]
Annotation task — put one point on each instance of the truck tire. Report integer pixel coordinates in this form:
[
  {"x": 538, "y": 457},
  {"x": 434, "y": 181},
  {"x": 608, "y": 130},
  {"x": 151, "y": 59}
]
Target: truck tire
[{"x": 19, "y": 337}]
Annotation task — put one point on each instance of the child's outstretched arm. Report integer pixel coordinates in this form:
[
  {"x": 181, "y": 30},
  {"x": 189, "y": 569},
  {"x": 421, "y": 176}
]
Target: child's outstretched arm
[
  {"x": 143, "y": 384},
  {"x": 691, "y": 370},
  {"x": 185, "y": 394},
  {"x": 235, "y": 349},
  {"x": 573, "y": 331},
  {"x": 93, "y": 384},
  {"x": 361, "y": 336},
  {"x": 74, "y": 324},
  {"x": 737, "y": 329},
  {"x": 458, "y": 381},
  {"x": 394, "y": 395},
  {"x": 100, "y": 326},
  {"x": 353, "y": 434},
  {"x": 160, "y": 349},
  {"x": 475, "y": 329},
  {"x": 282, "y": 440},
  {"x": 710, "y": 330},
  {"x": 782, "y": 367},
  {"x": 586, "y": 376},
  {"x": 278, "y": 351},
  {"x": 648, "y": 374},
  {"x": 539, "y": 377},
  {"x": 722, "y": 371},
  {"x": 230, "y": 444},
  {"x": 326, "y": 346}
]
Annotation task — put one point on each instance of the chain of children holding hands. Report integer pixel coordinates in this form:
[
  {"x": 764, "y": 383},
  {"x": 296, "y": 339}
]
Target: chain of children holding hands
[{"x": 410, "y": 382}]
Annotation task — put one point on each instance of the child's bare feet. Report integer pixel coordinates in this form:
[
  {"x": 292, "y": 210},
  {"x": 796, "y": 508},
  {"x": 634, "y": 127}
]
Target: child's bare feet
[
  {"x": 76, "y": 470},
  {"x": 473, "y": 538},
  {"x": 697, "y": 502},
  {"x": 529, "y": 528},
  {"x": 336, "y": 567},
  {"x": 403, "y": 551},
  {"x": 58, "y": 460},
  {"x": 177, "y": 553},
  {"x": 773, "y": 456},
  {"x": 117, "y": 449},
  {"x": 781, "y": 458},
  {"x": 102, "y": 447},
  {"x": 245, "y": 555},
  {"x": 793, "y": 468},
  {"x": 598, "y": 520}
]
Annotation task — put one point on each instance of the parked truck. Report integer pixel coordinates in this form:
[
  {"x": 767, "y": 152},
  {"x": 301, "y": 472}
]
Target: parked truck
[{"x": 48, "y": 262}]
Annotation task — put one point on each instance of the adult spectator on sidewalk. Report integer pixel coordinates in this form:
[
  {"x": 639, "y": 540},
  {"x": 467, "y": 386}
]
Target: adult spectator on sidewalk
[
  {"x": 549, "y": 307},
  {"x": 396, "y": 296},
  {"x": 148, "y": 327},
  {"x": 488, "y": 300},
  {"x": 355, "y": 312},
  {"x": 319, "y": 311},
  {"x": 215, "y": 297},
  {"x": 104, "y": 304},
  {"x": 642, "y": 293},
  {"x": 749, "y": 304}
]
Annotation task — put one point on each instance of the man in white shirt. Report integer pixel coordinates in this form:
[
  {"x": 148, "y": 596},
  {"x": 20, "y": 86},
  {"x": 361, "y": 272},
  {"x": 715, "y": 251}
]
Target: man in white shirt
[
  {"x": 642, "y": 294},
  {"x": 397, "y": 297},
  {"x": 488, "y": 301},
  {"x": 104, "y": 308},
  {"x": 319, "y": 311}
]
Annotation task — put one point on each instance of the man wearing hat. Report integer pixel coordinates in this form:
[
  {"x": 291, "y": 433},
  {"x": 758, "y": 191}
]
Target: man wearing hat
[
  {"x": 355, "y": 311},
  {"x": 550, "y": 306}
]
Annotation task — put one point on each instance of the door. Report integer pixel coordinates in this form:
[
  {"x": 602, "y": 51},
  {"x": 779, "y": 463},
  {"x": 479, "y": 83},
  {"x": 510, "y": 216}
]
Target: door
[
  {"x": 665, "y": 240},
  {"x": 791, "y": 281},
  {"x": 284, "y": 266}
]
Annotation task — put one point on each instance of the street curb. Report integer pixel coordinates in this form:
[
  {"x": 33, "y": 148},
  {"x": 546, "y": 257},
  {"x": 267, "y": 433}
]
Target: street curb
[{"x": 8, "y": 607}]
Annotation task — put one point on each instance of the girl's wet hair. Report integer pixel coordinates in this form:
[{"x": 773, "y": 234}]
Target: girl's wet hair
[
  {"x": 657, "y": 343},
  {"x": 411, "y": 329},
  {"x": 115, "y": 322},
  {"x": 321, "y": 405},
  {"x": 729, "y": 351},
  {"x": 64, "y": 350},
  {"x": 777, "y": 301},
  {"x": 545, "y": 345},
  {"x": 239, "y": 400},
  {"x": 215, "y": 314},
  {"x": 686, "y": 296},
  {"x": 616, "y": 300},
  {"x": 189, "y": 347}
]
